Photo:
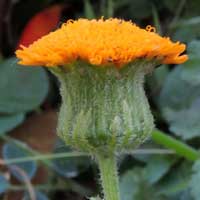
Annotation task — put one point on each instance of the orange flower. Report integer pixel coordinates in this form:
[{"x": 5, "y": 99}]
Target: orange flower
[{"x": 101, "y": 42}]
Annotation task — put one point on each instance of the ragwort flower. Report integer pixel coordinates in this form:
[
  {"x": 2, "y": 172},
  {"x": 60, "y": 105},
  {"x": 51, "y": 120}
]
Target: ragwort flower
[{"x": 101, "y": 66}]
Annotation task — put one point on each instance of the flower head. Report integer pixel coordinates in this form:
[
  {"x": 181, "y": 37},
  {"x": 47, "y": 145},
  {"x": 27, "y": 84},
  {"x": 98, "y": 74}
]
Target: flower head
[{"x": 101, "y": 42}]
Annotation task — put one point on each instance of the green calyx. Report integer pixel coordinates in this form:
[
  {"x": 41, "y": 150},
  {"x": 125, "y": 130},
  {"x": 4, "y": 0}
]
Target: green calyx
[{"x": 104, "y": 109}]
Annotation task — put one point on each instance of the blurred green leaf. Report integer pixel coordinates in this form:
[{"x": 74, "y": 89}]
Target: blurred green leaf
[
  {"x": 183, "y": 195},
  {"x": 129, "y": 183},
  {"x": 157, "y": 167},
  {"x": 8, "y": 122},
  {"x": 88, "y": 10},
  {"x": 11, "y": 150},
  {"x": 176, "y": 181},
  {"x": 70, "y": 167},
  {"x": 180, "y": 97},
  {"x": 195, "y": 180},
  {"x": 4, "y": 184},
  {"x": 134, "y": 186},
  {"x": 21, "y": 88}
]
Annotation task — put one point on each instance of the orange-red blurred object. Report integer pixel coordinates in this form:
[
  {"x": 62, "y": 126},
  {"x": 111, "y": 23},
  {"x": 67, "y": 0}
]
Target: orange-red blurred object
[{"x": 40, "y": 24}]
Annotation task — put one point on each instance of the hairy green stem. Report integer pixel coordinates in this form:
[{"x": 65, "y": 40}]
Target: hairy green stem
[
  {"x": 109, "y": 176},
  {"x": 179, "y": 147}
]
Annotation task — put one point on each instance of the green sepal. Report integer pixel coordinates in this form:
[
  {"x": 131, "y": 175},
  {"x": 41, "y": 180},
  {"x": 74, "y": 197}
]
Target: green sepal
[{"x": 104, "y": 109}]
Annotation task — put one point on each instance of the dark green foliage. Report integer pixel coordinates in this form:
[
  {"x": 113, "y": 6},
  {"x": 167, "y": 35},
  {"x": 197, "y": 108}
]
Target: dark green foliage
[
  {"x": 8, "y": 122},
  {"x": 22, "y": 89}
]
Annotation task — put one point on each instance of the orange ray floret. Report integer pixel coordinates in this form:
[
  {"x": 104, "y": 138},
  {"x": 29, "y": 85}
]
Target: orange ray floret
[{"x": 101, "y": 42}]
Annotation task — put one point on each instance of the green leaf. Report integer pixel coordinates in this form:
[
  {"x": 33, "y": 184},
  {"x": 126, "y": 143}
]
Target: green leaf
[
  {"x": 133, "y": 184},
  {"x": 8, "y": 122},
  {"x": 22, "y": 88},
  {"x": 10, "y": 151},
  {"x": 158, "y": 183},
  {"x": 157, "y": 167},
  {"x": 176, "y": 181},
  {"x": 180, "y": 96},
  {"x": 4, "y": 184},
  {"x": 129, "y": 184},
  {"x": 195, "y": 179}
]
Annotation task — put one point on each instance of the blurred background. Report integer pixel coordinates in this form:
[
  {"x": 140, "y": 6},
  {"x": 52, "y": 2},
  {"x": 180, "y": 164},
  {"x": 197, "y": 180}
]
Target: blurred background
[{"x": 29, "y": 102}]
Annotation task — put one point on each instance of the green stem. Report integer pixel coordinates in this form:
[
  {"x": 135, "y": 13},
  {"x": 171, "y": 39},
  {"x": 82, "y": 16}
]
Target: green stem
[
  {"x": 45, "y": 157},
  {"x": 109, "y": 176},
  {"x": 179, "y": 147},
  {"x": 47, "y": 187}
]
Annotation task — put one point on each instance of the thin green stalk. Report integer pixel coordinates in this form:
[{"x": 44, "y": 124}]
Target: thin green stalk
[
  {"x": 88, "y": 10},
  {"x": 47, "y": 187},
  {"x": 78, "y": 154},
  {"x": 25, "y": 148},
  {"x": 103, "y": 7},
  {"x": 156, "y": 19},
  {"x": 45, "y": 157},
  {"x": 109, "y": 176},
  {"x": 110, "y": 8},
  {"x": 179, "y": 147}
]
